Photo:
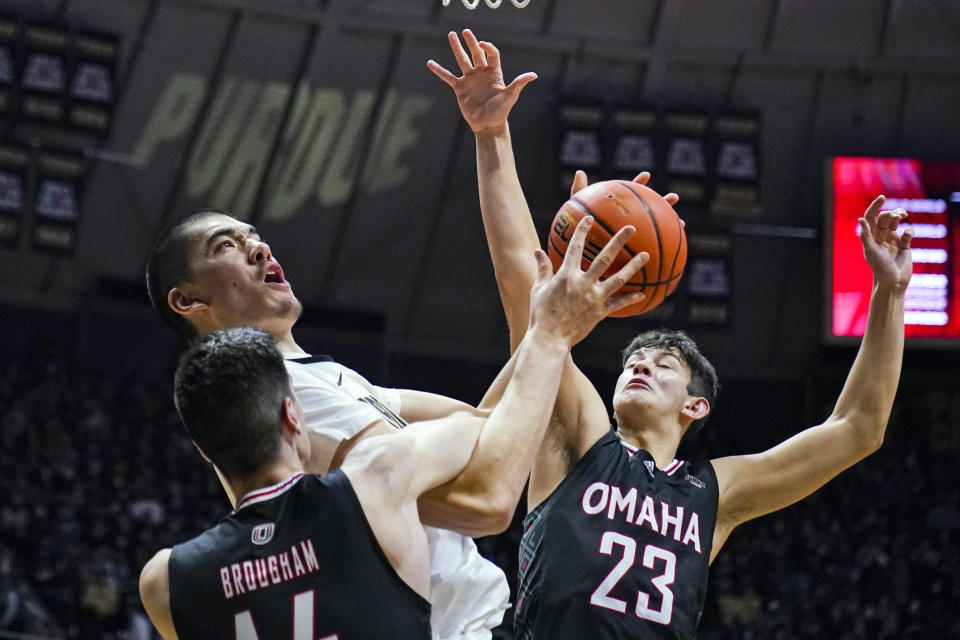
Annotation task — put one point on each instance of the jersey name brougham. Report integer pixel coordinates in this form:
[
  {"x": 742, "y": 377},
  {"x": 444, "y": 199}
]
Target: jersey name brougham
[{"x": 258, "y": 573}]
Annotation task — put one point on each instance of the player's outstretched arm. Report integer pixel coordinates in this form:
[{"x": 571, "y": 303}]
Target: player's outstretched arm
[
  {"x": 753, "y": 485},
  {"x": 485, "y": 102},
  {"x": 155, "y": 593}
]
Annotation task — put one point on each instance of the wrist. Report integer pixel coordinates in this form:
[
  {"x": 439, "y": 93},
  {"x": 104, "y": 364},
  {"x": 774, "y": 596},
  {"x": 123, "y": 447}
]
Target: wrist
[
  {"x": 548, "y": 340},
  {"x": 894, "y": 289},
  {"x": 493, "y": 133}
]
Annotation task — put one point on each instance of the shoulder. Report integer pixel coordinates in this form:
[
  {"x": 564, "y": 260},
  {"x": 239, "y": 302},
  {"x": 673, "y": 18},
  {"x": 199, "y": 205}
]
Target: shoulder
[
  {"x": 154, "y": 573},
  {"x": 155, "y": 592}
]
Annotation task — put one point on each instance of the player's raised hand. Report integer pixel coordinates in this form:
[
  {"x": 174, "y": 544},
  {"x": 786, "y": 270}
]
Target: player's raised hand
[
  {"x": 886, "y": 245},
  {"x": 572, "y": 301},
  {"x": 485, "y": 100},
  {"x": 580, "y": 182}
]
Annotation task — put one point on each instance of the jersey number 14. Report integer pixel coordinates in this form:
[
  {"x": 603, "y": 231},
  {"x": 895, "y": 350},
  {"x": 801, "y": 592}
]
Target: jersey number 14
[{"x": 302, "y": 621}]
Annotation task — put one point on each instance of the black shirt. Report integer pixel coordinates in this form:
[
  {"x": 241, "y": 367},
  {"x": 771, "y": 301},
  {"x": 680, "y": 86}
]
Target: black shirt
[
  {"x": 620, "y": 549},
  {"x": 295, "y": 560}
]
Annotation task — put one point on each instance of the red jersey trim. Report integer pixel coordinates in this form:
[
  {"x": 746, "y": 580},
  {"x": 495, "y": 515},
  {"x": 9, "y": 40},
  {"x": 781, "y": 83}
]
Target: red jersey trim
[{"x": 268, "y": 493}]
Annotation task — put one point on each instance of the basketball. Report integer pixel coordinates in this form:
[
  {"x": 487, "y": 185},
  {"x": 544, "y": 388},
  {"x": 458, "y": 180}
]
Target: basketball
[{"x": 613, "y": 205}]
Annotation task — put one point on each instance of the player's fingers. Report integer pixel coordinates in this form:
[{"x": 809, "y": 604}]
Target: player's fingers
[
  {"x": 601, "y": 263},
  {"x": 544, "y": 268},
  {"x": 672, "y": 199},
  {"x": 623, "y": 301},
  {"x": 871, "y": 213},
  {"x": 442, "y": 73},
  {"x": 493, "y": 54},
  {"x": 519, "y": 83},
  {"x": 905, "y": 238},
  {"x": 479, "y": 57},
  {"x": 683, "y": 223},
  {"x": 866, "y": 235},
  {"x": 579, "y": 182},
  {"x": 888, "y": 220},
  {"x": 575, "y": 247},
  {"x": 642, "y": 178},
  {"x": 463, "y": 60},
  {"x": 898, "y": 215},
  {"x": 615, "y": 282}
]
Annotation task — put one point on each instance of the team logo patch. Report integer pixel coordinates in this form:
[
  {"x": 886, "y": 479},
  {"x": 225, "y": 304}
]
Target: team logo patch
[
  {"x": 651, "y": 467},
  {"x": 262, "y": 533},
  {"x": 697, "y": 482}
]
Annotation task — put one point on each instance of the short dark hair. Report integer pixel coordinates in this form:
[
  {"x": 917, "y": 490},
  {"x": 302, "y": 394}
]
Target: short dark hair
[
  {"x": 229, "y": 389},
  {"x": 703, "y": 377},
  {"x": 169, "y": 266}
]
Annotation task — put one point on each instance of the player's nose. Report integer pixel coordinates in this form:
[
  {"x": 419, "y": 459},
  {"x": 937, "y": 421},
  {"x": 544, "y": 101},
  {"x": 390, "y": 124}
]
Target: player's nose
[
  {"x": 641, "y": 366},
  {"x": 259, "y": 251}
]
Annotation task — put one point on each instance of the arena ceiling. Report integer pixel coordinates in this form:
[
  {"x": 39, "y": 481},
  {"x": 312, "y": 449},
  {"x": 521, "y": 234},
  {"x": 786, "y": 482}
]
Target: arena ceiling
[{"x": 318, "y": 121}]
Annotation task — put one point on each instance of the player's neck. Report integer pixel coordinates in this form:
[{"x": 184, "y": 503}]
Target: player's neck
[
  {"x": 285, "y": 341},
  {"x": 286, "y": 344},
  {"x": 660, "y": 443}
]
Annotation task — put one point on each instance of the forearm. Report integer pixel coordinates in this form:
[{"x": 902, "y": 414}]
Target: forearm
[
  {"x": 509, "y": 227},
  {"x": 441, "y": 449},
  {"x": 867, "y": 397},
  {"x": 482, "y": 498}
]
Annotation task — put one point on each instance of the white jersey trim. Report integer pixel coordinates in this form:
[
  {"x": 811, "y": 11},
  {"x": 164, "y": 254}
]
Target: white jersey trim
[
  {"x": 670, "y": 469},
  {"x": 268, "y": 493}
]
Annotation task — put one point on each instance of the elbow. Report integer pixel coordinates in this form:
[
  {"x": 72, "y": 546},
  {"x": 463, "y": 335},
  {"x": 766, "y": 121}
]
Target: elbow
[
  {"x": 504, "y": 508},
  {"x": 870, "y": 437},
  {"x": 863, "y": 433},
  {"x": 873, "y": 444},
  {"x": 496, "y": 513}
]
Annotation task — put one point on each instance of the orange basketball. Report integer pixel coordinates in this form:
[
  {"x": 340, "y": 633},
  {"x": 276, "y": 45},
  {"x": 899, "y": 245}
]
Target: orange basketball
[{"x": 613, "y": 205}]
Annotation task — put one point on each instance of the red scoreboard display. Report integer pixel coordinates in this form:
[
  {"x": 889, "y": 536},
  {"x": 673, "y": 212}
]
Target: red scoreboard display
[{"x": 930, "y": 193}]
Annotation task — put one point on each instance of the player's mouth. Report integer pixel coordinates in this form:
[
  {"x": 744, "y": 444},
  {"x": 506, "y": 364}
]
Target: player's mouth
[
  {"x": 273, "y": 276},
  {"x": 637, "y": 383}
]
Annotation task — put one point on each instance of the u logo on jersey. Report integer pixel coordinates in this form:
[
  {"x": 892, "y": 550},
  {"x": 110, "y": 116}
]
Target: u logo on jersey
[{"x": 262, "y": 533}]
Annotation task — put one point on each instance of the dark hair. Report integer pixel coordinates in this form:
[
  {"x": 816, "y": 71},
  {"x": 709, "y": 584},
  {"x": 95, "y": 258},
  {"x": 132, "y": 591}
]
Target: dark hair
[
  {"x": 229, "y": 389},
  {"x": 169, "y": 266},
  {"x": 703, "y": 377}
]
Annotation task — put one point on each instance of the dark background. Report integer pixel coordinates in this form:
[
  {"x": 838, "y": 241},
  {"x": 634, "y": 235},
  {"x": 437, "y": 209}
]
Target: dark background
[{"x": 371, "y": 207}]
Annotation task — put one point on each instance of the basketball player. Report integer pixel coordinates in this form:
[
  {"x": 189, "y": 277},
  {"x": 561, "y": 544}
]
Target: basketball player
[
  {"x": 619, "y": 533},
  {"x": 345, "y": 555},
  {"x": 210, "y": 271}
]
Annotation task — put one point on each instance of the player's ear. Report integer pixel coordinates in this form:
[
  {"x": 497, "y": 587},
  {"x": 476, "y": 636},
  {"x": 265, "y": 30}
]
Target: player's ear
[
  {"x": 696, "y": 408},
  {"x": 291, "y": 415},
  {"x": 183, "y": 301}
]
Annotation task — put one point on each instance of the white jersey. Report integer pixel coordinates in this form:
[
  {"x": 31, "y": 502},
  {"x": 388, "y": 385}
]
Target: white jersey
[{"x": 468, "y": 593}]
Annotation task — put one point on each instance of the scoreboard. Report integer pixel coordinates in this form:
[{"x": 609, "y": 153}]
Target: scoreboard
[{"x": 930, "y": 193}]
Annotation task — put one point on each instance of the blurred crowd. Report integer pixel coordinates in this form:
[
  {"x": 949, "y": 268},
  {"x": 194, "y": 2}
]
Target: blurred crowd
[{"x": 99, "y": 474}]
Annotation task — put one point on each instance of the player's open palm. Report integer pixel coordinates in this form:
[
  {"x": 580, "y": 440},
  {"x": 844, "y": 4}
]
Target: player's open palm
[
  {"x": 886, "y": 245},
  {"x": 485, "y": 99},
  {"x": 572, "y": 301}
]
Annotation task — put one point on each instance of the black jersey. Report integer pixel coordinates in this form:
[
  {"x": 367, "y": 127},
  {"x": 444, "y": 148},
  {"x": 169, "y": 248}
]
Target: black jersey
[
  {"x": 620, "y": 549},
  {"x": 296, "y": 560}
]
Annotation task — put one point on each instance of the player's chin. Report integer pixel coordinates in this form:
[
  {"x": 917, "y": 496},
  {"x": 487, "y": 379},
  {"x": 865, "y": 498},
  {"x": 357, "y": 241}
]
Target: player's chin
[{"x": 292, "y": 309}]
